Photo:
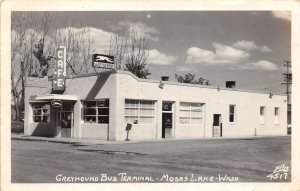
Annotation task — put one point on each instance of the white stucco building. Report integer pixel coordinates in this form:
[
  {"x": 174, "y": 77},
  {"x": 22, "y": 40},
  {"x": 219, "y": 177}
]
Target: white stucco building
[{"x": 99, "y": 106}]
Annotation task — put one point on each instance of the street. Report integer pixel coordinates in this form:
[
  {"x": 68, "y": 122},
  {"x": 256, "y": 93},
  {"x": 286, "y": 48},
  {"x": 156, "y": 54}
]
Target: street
[{"x": 206, "y": 160}]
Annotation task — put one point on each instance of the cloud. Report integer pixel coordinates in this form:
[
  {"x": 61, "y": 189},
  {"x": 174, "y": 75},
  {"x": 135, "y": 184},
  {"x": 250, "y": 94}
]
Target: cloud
[
  {"x": 265, "y": 65},
  {"x": 250, "y": 45},
  {"x": 101, "y": 39},
  {"x": 259, "y": 65},
  {"x": 223, "y": 55},
  {"x": 141, "y": 29},
  {"x": 156, "y": 57},
  {"x": 285, "y": 15}
]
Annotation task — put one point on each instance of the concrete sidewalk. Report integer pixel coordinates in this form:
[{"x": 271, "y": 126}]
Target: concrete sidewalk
[
  {"x": 64, "y": 140},
  {"x": 83, "y": 142}
]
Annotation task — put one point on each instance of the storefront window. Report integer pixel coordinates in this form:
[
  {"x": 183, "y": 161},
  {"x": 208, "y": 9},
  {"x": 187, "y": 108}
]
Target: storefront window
[
  {"x": 41, "y": 112},
  {"x": 139, "y": 111},
  {"x": 190, "y": 113},
  {"x": 96, "y": 111}
]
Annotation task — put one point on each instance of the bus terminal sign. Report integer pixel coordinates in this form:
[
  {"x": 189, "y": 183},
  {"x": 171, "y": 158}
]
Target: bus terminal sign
[
  {"x": 103, "y": 61},
  {"x": 60, "y": 71}
]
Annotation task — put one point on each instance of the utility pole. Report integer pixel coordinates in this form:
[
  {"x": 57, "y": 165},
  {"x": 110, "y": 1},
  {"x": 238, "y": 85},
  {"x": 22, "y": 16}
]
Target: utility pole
[{"x": 287, "y": 80}]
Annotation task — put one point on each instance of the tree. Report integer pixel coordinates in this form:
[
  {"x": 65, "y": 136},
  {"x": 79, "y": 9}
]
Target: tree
[
  {"x": 23, "y": 39},
  {"x": 79, "y": 48},
  {"x": 39, "y": 47},
  {"x": 190, "y": 79},
  {"x": 33, "y": 49},
  {"x": 133, "y": 50}
]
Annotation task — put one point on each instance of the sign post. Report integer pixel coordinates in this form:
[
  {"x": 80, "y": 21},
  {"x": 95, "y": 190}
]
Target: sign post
[
  {"x": 60, "y": 71},
  {"x": 103, "y": 61},
  {"x": 128, "y": 128}
]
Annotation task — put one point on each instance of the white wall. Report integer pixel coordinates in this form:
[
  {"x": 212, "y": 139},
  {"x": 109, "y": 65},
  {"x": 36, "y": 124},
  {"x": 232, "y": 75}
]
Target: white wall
[
  {"x": 216, "y": 102},
  {"x": 81, "y": 87},
  {"x": 123, "y": 85},
  {"x": 102, "y": 131}
]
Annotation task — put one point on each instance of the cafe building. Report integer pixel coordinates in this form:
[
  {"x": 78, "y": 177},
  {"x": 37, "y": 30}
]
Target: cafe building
[
  {"x": 115, "y": 105},
  {"x": 101, "y": 105}
]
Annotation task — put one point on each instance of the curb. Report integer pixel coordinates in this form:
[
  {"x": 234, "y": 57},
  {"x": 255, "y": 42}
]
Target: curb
[
  {"x": 44, "y": 140},
  {"x": 103, "y": 142}
]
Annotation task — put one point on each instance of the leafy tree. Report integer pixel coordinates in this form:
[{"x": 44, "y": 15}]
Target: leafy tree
[{"x": 190, "y": 79}]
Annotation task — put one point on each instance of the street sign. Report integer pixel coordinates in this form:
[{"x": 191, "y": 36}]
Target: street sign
[
  {"x": 103, "y": 61},
  {"x": 60, "y": 70},
  {"x": 56, "y": 103}
]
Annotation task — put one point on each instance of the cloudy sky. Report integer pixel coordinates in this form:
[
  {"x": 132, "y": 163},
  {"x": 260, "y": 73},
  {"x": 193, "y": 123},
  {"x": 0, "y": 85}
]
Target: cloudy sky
[{"x": 245, "y": 46}]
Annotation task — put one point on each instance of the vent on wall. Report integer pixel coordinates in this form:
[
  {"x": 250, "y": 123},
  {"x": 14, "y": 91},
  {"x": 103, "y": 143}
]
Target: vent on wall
[
  {"x": 165, "y": 78},
  {"x": 230, "y": 84}
]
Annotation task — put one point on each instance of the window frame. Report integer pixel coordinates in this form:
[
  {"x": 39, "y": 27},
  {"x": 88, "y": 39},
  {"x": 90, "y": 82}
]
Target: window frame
[
  {"x": 277, "y": 116},
  {"x": 262, "y": 117},
  {"x": 96, "y": 107},
  {"x": 190, "y": 109},
  {"x": 42, "y": 114},
  {"x": 138, "y": 115},
  {"x": 234, "y": 114}
]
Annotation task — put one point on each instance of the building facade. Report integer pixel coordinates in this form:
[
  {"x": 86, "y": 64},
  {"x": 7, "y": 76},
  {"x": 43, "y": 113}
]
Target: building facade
[{"x": 99, "y": 106}]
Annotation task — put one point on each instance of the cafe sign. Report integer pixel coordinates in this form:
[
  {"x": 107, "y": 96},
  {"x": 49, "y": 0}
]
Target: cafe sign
[{"x": 60, "y": 70}]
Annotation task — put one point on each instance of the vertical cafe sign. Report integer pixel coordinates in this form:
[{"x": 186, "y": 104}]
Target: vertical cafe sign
[{"x": 60, "y": 71}]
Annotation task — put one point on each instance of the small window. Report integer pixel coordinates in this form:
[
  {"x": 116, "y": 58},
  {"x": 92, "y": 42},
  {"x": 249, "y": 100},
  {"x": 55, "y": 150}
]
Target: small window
[
  {"x": 167, "y": 106},
  {"x": 41, "y": 112},
  {"x": 96, "y": 111},
  {"x": 231, "y": 113},
  {"x": 262, "y": 114},
  {"x": 276, "y": 115},
  {"x": 276, "y": 111}
]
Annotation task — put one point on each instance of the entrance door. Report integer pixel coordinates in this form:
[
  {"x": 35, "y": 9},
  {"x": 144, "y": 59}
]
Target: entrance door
[
  {"x": 217, "y": 126},
  {"x": 66, "y": 123},
  {"x": 167, "y": 123},
  {"x": 66, "y": 119}
]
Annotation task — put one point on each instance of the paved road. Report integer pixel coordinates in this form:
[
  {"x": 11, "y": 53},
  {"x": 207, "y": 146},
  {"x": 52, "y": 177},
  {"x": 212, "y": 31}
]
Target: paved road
[{"x": 243, "y": 160}]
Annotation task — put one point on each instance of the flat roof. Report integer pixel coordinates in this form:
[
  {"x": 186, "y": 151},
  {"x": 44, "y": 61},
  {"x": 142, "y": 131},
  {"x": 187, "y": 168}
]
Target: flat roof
[{"x": 168, "y": 82}]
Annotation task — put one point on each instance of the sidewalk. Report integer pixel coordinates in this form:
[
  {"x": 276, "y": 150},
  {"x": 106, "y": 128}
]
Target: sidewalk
[
  {"x": 64, "y": 140},
  {"x": 83, "y": 142}
]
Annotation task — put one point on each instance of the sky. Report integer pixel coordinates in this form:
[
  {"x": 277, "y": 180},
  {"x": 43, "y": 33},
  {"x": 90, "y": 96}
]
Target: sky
[{"x": 248, "y": 47}]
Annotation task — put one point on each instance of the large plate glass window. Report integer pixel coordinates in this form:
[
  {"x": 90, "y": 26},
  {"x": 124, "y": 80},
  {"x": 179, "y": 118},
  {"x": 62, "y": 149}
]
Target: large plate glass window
[
  {"x": 96, "y": 111},
  {"x": 140, "y": 111},
  {"x": 191, "y": 113},
  {"x": 41, "y": 112}
]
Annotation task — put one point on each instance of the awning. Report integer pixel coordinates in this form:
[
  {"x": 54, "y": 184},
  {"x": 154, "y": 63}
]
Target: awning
[{"x": 56, "y": 97}]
